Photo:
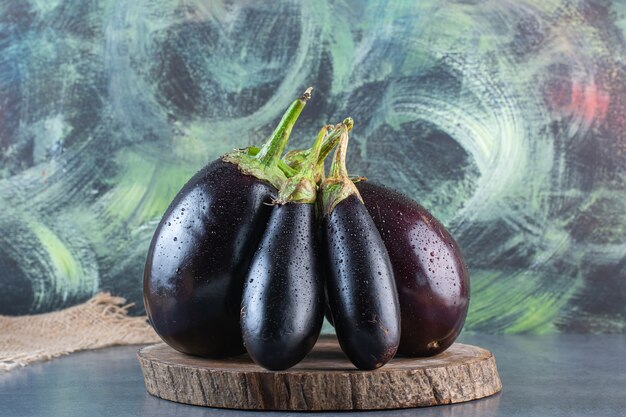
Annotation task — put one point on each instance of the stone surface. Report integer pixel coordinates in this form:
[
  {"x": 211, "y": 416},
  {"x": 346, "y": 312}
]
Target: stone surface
[{"x": 548, "y": 375}]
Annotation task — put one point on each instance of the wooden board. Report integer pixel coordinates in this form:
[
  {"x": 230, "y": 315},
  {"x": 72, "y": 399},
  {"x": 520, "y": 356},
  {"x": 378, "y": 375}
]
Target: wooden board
[{"x": 324, "y": 380}]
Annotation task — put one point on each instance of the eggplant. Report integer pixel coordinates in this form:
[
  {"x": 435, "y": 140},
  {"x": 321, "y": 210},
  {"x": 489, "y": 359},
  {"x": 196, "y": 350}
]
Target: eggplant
[
  {"x": 198, "y": 258},
  {"x": 283, "y": 299},
  {"x": 201, "y": 250},
  {"x": 360, "y": 283},
  {"x": 282, "y": 309},
  {"x": 431, "y": 276}
]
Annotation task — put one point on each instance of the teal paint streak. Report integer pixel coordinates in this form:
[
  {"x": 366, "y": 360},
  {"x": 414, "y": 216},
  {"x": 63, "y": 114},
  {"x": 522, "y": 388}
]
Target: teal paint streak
[{"x": 504, "y": 118}]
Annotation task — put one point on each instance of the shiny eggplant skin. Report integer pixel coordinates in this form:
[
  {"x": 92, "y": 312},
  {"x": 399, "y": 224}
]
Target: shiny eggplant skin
[
  {"x": 282, "y": 309},
  {"x": 431, "y": 276},
  {"x": 198, "y": 258},
  {"x": 361, "y": 287}
]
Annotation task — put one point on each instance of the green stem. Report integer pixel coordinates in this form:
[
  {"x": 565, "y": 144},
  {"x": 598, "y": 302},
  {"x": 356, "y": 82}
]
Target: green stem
[
  {"x": 338, "y": 168},
  {"x": 334, "y": 137},
  {"x": 338, "y": 186},
  {"x": 264, "y": 163},
  {"x": 302, "y": 187},
  {"x": 295, "y": 159},
  {"x": 270, "y": 152},
  {"x": 312, "y": 161}
]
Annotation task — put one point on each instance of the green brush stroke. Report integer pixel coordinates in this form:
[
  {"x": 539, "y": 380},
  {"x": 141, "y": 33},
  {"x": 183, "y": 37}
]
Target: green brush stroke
[{"x": 118, "y": 104}]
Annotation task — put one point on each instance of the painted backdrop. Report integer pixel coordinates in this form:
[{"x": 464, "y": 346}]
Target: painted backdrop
[{"x": 506, "y": 118}]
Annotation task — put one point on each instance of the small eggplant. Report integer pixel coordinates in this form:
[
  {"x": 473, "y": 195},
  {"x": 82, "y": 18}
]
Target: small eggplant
[
  {"x": 431, "y": 276},
  {"x": 201, "y": 249},
  {"x": 360, "y": 283},
  {"x": 282, "y": 309}
]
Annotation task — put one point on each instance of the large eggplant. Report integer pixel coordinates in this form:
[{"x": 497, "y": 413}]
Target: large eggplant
[
  {"x": 202, "y": 247},
  {"x": 431, "y": 276},
  {"x": 198, "y": 258},
  {"x": 360, "y": 284},
  {"x": 282, "y": 309}
]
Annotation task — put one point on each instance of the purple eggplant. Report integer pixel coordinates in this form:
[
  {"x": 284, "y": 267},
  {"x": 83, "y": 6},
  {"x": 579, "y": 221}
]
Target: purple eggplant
[
  {"x": 283, "y": 300},
  {"x": 198, "y": 257},
  {"x": 431, "y": 276},
  {"x": 201, "y": 249},
  {"x": 282, "y": 309},
  {"x": 360, "y": 283}
]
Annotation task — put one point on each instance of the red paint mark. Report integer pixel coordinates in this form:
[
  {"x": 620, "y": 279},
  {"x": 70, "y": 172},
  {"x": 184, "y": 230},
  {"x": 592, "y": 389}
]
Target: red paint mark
[
  {"x": 579, "y": 99},
  {"x": 594, "y": 103}
]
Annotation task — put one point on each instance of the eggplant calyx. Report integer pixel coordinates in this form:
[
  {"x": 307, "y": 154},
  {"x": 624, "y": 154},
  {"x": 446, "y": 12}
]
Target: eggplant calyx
[
  {"x": 338, "y": 186},
  {"x": 264, "y": 164},
  {"x": 302, "y": 187},
  {"x": 304, "y": 191},
  {"x": 282, "y": 165},
  {"x": 334, "y": 191}
]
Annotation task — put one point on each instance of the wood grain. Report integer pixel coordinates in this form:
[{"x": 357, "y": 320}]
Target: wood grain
[{"x": 324, "y": 380}]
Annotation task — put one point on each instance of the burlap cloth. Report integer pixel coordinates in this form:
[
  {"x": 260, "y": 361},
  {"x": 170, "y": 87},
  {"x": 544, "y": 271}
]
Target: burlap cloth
[{"x": 102, "y": 321}]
